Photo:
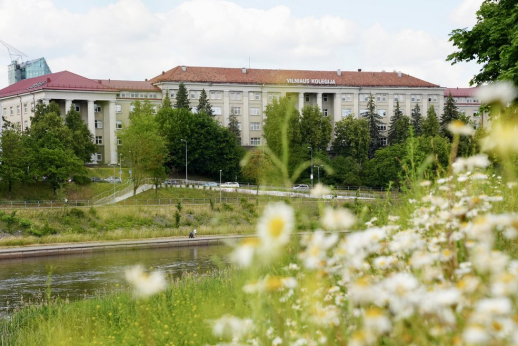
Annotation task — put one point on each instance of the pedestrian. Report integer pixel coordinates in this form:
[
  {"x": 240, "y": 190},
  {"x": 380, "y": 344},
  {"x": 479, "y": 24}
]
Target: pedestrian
[
  {"x": 191, "y": 235},
  {"x": 195, "y": 232}
]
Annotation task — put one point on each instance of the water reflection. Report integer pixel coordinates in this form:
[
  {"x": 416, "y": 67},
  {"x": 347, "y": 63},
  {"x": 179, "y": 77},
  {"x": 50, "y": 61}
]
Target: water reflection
[{"x": 85, "y": 275}]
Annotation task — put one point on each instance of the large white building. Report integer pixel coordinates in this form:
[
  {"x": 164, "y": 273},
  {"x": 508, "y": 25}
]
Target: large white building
[{"x": 106, "y": 104}]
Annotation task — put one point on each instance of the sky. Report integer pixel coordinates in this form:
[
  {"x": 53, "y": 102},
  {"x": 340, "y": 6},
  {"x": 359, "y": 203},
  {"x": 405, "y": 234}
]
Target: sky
[{"x": 138, "y": 39}]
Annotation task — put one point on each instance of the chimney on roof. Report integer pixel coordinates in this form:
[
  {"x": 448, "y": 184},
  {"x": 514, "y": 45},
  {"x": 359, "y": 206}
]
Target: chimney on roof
[
  {"x": 163, "y": 72},
  {"x": 399, "y": 74},
  {"x": 146, "y": 79},
  {"x": 359, "y": 70},
  {"x": 184, "y": 68},
  {"x": 243, "y": 70},
  {"x": 338, "y": 72},
  {"x": 48, "y": 80}
]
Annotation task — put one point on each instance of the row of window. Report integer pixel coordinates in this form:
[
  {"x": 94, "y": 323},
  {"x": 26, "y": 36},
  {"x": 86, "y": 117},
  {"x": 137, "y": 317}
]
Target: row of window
[
  {"x": 138, "y": 95},
  {"x": 99, "y": 140},
  {"x": 99, "y": 124}
]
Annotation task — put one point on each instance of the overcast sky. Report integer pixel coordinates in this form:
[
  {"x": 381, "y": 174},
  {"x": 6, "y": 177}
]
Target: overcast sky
[{"x": 138, "y": 39}]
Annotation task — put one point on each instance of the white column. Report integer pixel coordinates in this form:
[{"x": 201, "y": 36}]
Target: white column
[
  {"x": 390, "y": 110},
  {"x": 408, "y": 105},
  {"x": 319, "y": 101},
  {"x": 91, "y": 124},
  {"x": 441, "y": 105},
  {"x": 283, "y": 93},
  {"x": 245, "y": 133},
  {"x": 424, "y": 110},
  {"x": 265, "y": 101},
  {"x": 356, "y": 103},
  {"x": 226, "y": 107},
  {"x": 337, "y": 107},
  {"x": 112, "y": 140},
  {"x": 301, "y": 101},
  {"x": 68, "y": 105}
]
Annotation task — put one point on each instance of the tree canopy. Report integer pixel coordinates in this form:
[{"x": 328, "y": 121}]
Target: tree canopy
[
  {"x": 204, "y": 105},
  {"x": 315, "y": 128},
  {"x": 374, "y": 121},
  {"x": 182, "y": 98},
  {"x": 491, "y": 42},
  {"x": 352, "y": 138}
]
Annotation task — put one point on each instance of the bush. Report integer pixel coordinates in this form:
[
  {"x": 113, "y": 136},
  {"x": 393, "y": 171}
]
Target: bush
[
  {"x": 81, "y": 180},
  {"x": 75, "y": 212},
  {"x": 25, "y": 223},
  {"x": 227, "y": 207},
  {"x": 46, "y": 230}
]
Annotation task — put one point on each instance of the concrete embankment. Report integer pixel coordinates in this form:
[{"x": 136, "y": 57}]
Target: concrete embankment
[{"x": 78, "y": 248}]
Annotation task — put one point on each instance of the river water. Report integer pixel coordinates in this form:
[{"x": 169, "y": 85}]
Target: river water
[{"x": 86, "y": 275}]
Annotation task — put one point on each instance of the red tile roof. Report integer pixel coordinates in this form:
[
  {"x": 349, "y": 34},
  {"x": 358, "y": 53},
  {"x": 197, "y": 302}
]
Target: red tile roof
[
  {"x": 260, "y": 76},
  {"x": 63, "y": 80},
  {"x": 129, "y": 85},
  {"x": 460, "y": 92}
]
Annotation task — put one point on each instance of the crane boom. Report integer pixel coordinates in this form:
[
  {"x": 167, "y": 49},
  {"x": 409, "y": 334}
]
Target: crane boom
[{"x": 14, "y": 53}]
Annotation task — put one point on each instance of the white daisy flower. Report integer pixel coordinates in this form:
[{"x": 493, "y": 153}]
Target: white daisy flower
[
  {"x": 338, "y": 219},
  {"x": 503, "y": 92},
  {"x": 458, "y": 127},
  {"x": 231, "y": 326},
  {"x": 145, "y": 284},
  {"x": 275, "y": 226}
]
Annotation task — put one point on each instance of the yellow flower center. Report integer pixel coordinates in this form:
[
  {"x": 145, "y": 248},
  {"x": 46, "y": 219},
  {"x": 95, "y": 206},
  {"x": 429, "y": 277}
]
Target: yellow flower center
[{"x": 276, "y": 226}]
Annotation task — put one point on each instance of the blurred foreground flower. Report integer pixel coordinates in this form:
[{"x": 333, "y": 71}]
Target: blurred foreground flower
[
  {"x": 145, "y": 284},
  {"x": 269, "y": 284},
  {"x": 320, "y": 190},
  {"x": 501, "y": 138},
  {"x": 231, "y": 326},
  {"x": 338, "y": 219},
  {"x": 502, "y": 92},
  {"x": 458, "y": 127},
  {"x": 275, "y": 226}
]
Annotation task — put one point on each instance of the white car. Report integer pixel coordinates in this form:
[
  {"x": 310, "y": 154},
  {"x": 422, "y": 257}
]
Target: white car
[
  {"x": 301, "y": 187},
  {"x": 230, "y": 184}
]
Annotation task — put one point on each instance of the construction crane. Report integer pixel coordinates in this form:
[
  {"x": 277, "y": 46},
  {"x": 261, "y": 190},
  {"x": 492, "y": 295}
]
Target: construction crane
[{"x": 14, "y": 53}]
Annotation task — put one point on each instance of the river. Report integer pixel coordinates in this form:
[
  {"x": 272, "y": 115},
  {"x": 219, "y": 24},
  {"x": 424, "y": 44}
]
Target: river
[{"x": 86, "y": 275}]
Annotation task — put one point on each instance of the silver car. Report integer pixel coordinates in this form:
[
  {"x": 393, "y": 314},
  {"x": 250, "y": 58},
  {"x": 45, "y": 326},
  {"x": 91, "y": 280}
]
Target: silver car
[{"x": 113, "y": 180}]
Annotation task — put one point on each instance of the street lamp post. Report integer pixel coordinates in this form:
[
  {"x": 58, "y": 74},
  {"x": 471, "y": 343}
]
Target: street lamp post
[
  {"x": 130, "y": 172},
  {"x": 183, "y": 140},
  {"x": 220, "y": 186},
  {"x": 120, "y": 167},
  {"x": 311, "y": 148}
]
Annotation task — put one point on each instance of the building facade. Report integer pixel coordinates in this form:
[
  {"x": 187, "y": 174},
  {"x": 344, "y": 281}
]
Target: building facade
[
  {"x": 468, "y": 104},
  {"x": 106, "y": 104}
]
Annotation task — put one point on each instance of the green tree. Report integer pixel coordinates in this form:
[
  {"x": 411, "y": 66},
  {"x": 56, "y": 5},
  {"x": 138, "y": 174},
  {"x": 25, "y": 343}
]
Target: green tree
[
  {"x": 386, "y": 166},
  {"x": 14, "y": 156},
  {"x": 401, "y": 129},
  {"x": 182, "y": 98},
  {"x": 429, "y": 157},
  {"x": 393, "y": 134},
  {"x": 258, "y": 168},
  {"x": 417, "y": 120},
  {"x": 54, "y": 156},
  {"x": 450, "y": 113},
  {"x": 374, "y": 121},
  {"x": 233, "y": 127},
  {"x": 347, "y": 172},
  {"x": 431, "y": 125},
  {"x": 204, "y": 104},
  {"x": 143, "y": 144},
  {"x": 491, "y": 42},
  {"x": 315, "y": 128},
  {"x": 166, "y": 103},
  {"x": 83, "y": 143},
  {"x": 352, "y": 138}
]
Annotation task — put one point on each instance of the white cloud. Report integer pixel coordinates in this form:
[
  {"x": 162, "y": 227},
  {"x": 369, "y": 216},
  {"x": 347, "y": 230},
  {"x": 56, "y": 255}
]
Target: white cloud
[
  {"x": 465, "y": 14},
  {"x": 125, "y": 40}
]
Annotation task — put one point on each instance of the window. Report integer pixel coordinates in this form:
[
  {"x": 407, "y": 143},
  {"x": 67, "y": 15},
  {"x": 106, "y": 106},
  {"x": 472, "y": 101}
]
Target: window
[
  {"x": 364, "y": 112},
  {"x": 26, "y": 124},
  {"x": 346, "y": 112},
  {"x": 432, "y": 98},
  {"x": 155, "y": 109},
  {"x": 475, "y": 113},
  {"x": 239, "y": 125},
  {"x": 255, "y": 111},
  {"x": 415, "y": 98},
  {"x": 98, "y": 157},
  {"x": 364, "y": 97},
  {"x": 98, "y": 124},
  {"x": 151, "y": 96},
  {"x": 255, "y": 141},
  {"x": 32, "y": 106},
  {"x": 118, "y": 108},
  {"x": 399, "y": 97},
  {"x": 383, "y": 141},
  {"x": 97, "y": 109},
  {"x": 134, "y": 95},
  {"x": 307, "y": 98},
  {"x": 324, "y": 97},
  {"x": 192, "y": 94},
  {"x": 194, "y": 110},
  {"x": 255, "y": 126},
  {"x": 381, "y": 97},
  {"x": 254, "y": 96},
  {"x": 118, "y": 124},
  {"x": 25, "y": 108},
  {"x": 173, "y": 94},
  {"x": 132, "y": 108},
  {"x": 235, "y": 110},
  {"x": 119, "y": 141},
  {"x": 382, "y": 112},
  {"x": 347, "y": 97},
  {"x": 99, "y": 140},
  {"x": 272, "y": 96},
  {"x": 76, "y": 107},
  {"x": 18, "y": 109},
  {"x": 216, "y": 110},
  {"x": 382, "y": 127},
  {"x": 123, "y": 94},
  {"x": 235, "y": 95},
  {"x": 11, "y": 111},
  {"x": 325, "y": 112},
  {"x": 215, "y": 95}
]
